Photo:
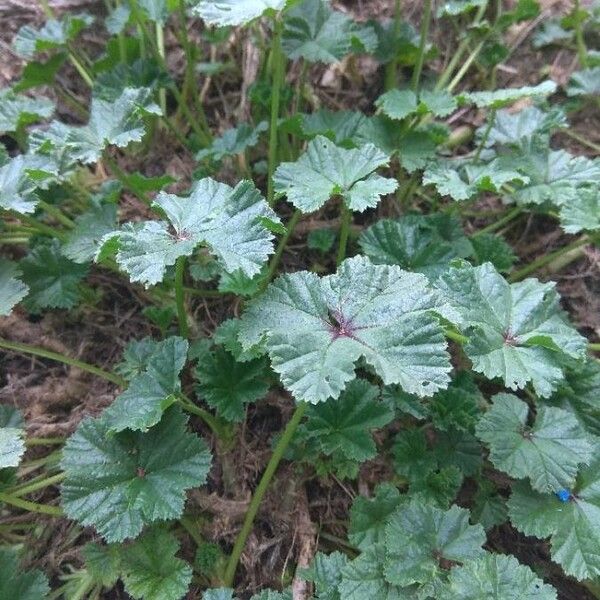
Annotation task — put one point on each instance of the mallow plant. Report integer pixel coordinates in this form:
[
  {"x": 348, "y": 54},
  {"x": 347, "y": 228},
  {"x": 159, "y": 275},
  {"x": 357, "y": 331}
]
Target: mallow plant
[{"x": 404, "y": 334}]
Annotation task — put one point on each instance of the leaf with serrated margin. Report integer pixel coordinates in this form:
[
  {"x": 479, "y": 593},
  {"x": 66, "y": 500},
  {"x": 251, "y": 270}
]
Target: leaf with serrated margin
[
  {"x": 18, "y": 111},
  {"x": 12, "y": 289},
  {"x": 572, "y": 526},
  {"x": 582, "y": 212},
  {"x": 325, "y": 170},
  {"x": 85, "y": 239},
  {"x": 496, "y": 577},
  {"x": 12, "y": 444},
  {"x": 233, "y": 141},
  {"x": 549, "y": 452},
  {"x": 18, "y": 584},
  {"x": 584, "y": 83},
  {"x": 119, "y": 483},
  {"x": 234, "y": 12},
  {"x": 503, "y": 97},
  {"x": 316, "y": 329},
  {"x": 325, "y": 572},
  {"x": 516, "y": 331}
]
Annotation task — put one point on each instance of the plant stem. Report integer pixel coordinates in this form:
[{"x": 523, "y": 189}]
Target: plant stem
[
  {"x": 42, "y": 352},
  {"x": 40, "y": 227},
  {"x": 31, "y": 506},
  {"x": 122, "y": 176},
  {"x": 391, "y": 69},
  {"x": 509, "y": 216},
  {"x": 57, "y": 214},
  {"x": 160, "y": 42},
  {"x": 465, "y": 67},
  {"x": 546, "y": 259},
  {"x": 486, "y": 135},
  {"x": 180, "y": 298},
  {"x": 594, "y": 347},
  {"x": 425, "y": 21},
  {"x": 581, "y": 139},
  {"x": 38, "y": 485},
  {"x": 280, "y": 248},
  {"x": 455, "y": 336},
  {"x": 344, "y": 230},
  {"x": 260, "y": 491},
  {"x": 581, "y": 47},
  {"x": 81, "y": 70},
  {"x": 277, "y": 64},
  {"x": 204, "y": 293},
  {"x": 37, "y": 441},
  {"x": 209, "y": 419}
]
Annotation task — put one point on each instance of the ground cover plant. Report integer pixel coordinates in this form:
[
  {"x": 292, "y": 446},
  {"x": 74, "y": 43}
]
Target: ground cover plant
[{"x": 300, "y": 300}]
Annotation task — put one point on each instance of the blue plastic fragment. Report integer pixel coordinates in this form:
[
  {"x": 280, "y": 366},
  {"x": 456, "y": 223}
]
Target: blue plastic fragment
[{"x": 564, "y": 495}]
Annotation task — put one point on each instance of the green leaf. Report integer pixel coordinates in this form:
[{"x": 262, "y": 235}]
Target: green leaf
[
  {"x": 572, "y": 526},
  {"x": 321, "y": 240},
  {"x": 363, "y": 578},
  {"x": 17, "y": 187},
  {"x": 489, "y": 508},
  {"x": 583, "y": 83},
  {"x": 119, "y": 483},
  {"x": 315, "y": 32},
  {"x": 12, "y": 443},
  {"x": 581, "y": 213},
  {"x": 151, "y": 571},
  {"x": 416, "y": 149},
  {"x": 342, "y": 127},
  {"x": 240, "y": 284},
  {"x": 156, "y": 10},
  {"x": 496, "y": 577},
  {"x": 227, "y": 334},
  {"x": 399, "y": 104},
  {"x": 344, "y": 424},
  {"x": 517, "y": 331},
  {"x": 53, "y": 34},
  {"x": 218, "y": 594},
  {"x": 140, "y": 73},
  {"x": 325, "y": 572},
  {"x": 18, "y": 583},
  {"x": 234, "y": 12},
  {"x": 151, "y": 392},
  {"x": 425, "y": 244},
  {"x": 225, "y": 219},
  {"x": 136, "y": 357},
  {"x": 233, "y": 141},
  {"x": 103, "y": 563},
  {"x": 316, "y": 329},
  {"x": 451, "y": 8},
  {"x": 117, "y": 19},
  {"x": 369, "y": 516},
  {"x": 117, "y": 123},
  {"x": 272, "y": 595},
  {"x": 549, "y": 452},
  {"x": 18, "y": 111},
  {"x": 421, "y": 539},
  {"x": 85, "y": 239},
  {"x": 462, "y": 181},
  {"x": 38, "y": 73},
  {"x": 12, "y": 289},
  {"x": 325, "y": 170},
  {"x": 503, "y": 97},
  {"x": 494, "y": 249},
  {"x": 228, "y": 385},
  {"x": 53, "y": 280},
  {"x": 579, "y": 395}
]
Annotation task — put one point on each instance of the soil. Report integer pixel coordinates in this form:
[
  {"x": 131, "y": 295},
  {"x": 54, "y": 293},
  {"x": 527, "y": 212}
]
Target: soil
[{"x": 301, "y": 513}]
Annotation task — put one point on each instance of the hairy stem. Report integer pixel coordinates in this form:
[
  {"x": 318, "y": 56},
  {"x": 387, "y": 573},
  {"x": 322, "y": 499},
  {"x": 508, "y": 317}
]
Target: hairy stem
[
  {"x": 55, "y": 212},
  {"x": 260, "y": 491},
  {"x": 43, "y": 353},
  {"x": 344, "y": 230},
  {"x": 391, "y": 69},
  {"x": 509, "y": 216},
  {"x": 212, "y": 422},
  {"x": 425, "y": 21},
  {"x": 486, "y": 135},
  {"x": 160, "y": 42},
  {"x": 31, "y": 506},
  {"x": 277, "y": 64},
  {"x": 180, "y": 298},
  {"x": 37, "y": 485},
  {"x": 281, "y": 247},
  {"x": 581, "y": 47}
]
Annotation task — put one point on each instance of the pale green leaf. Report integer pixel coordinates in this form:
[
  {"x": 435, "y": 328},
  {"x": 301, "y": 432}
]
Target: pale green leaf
[
  {"x": 452, "y": 8},
  {"x": 12, "y": 289},
  {"x": 12, "y": 443},
  {"x": 18, "y": 111},
  {"x": 504, "y": 97},
  {"x": 17, "y": 187},
  {"x": 151, "y": 571},
  {"x": 234, "y": 12},
  {"x": 419, "y": 537},
  {"x": 549, "y": 452},
  {"x": 572, "y": 526},
  {"x": 399, "y": 104},
  {"x": 496, "y": 577},
  {"x": 119, "y": 483},
  {"x": 325, "y": 571},
  {"x": 233, "y": 141},
  {"x": 103, "y": 563},
  {"x": 517, "y": 331},
  {"x": 583, "y": 83},
  {"x": 325, "y": 170},
  {"x": 17, "y": 583},
  {"x": 85, "y": 239},
  {"x": 317, "y": 33},
  {"x": 582, "y": 212},
  {"x": 316, "y": 329},
  {"x": 227, "y": 220}
]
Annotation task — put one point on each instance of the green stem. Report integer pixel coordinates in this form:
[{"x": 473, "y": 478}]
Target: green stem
[
  {"x": 594, "y": 347},
  {"x": 465, "y": 67},
  {"x": 509, "y": 216},
  {"x": 55, "y": 212},
  {"x": 122, "y": 176},
  {"x": 425, "y": 21},
  {"x": 581, "y": 47},
  {"x": 281, "y": 247},
  {"x": 209, "y": 419},
  {"x": 43, "y": 353},
  {"x": 38, "y": 441},
  {"x": 344, "y": 230},
  {"x": 204, "y": 293},
  {"x": 391, "y": 69},
  {"x": 184, "y": 331},
  {"x": 38, "y": 485},
  {"x": 581, "y": 139},
  {"x": 260, "y": 491},
  {"x": 160, "y": 42},
  {"x": 40, "y": 227},
  {"x": 546, "y": 259},
  {"x": 486, "y": 135},
  {"x": 455, "y": 336},
  {"x": 277, "y": 64},
  {"x": 31, "y": 506},
  {"x": 81, "y": 69}
]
